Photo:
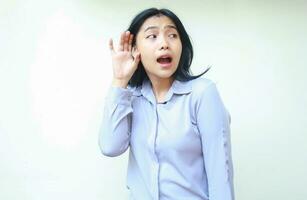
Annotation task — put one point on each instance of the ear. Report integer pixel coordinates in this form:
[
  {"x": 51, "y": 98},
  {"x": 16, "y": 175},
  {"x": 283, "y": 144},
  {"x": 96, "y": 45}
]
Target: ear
[{"x": 135, "y": 51}]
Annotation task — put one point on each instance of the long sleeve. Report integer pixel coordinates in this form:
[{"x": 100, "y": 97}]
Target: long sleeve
[
  {"x": 213, "y": 121},
  {"x": 114, "y": 133}
]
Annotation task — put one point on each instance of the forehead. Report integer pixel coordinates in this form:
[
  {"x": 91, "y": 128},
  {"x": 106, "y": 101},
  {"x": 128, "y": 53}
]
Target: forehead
[{"x": 157, "y": 22}]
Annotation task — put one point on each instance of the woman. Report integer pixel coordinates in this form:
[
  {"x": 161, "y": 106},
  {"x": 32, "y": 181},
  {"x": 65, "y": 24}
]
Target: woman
[{"x": 175, "y": 124}]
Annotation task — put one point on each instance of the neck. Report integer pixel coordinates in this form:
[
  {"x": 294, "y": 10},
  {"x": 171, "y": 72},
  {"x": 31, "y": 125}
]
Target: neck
[{"x": 160, "y": 87}]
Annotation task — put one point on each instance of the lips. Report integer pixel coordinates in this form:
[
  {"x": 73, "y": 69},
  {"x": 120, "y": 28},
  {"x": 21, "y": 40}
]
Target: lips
[{"x": 164, "y": 59}]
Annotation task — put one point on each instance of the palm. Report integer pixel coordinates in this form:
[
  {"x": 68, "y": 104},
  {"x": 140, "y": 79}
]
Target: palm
[{"x": 124, "y": 64}]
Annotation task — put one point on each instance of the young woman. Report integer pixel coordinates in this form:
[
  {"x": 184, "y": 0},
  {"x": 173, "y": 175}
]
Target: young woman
[{"x": 175, "y": 124}]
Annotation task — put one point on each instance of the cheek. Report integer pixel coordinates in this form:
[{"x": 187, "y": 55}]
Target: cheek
[
  {"x": 147, "y": 56},
  {"x": 180, "y": 47},
  {"x": 146, "y": 61},
  {"x": 179, "y": 51},
  {"x": 177, "y": 47}
]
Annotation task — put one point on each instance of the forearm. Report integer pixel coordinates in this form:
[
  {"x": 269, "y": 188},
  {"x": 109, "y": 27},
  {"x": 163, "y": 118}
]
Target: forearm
[{"x": 114, "y": 133}]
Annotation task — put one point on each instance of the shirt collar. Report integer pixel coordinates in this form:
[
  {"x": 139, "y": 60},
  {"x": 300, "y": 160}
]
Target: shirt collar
[
  {"x": 178, "y": 87},
  {"x": 181, "y": 87}
]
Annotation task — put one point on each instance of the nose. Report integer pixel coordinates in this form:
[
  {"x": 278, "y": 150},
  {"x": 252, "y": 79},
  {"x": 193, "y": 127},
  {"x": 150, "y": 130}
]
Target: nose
[{"x": 163, "y": 44}]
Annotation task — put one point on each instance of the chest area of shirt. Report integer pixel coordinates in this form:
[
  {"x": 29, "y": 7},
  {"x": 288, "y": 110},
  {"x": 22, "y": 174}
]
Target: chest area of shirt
[{"x": 166, "y": 126}]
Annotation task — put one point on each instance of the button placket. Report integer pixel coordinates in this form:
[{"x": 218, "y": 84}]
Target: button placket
[
  {"x": 155, "y": 188},
  {"x": 226, "y": 153}
]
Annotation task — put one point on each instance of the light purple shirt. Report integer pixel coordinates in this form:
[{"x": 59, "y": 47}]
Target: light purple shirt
[{"x": 179, "y": 149}]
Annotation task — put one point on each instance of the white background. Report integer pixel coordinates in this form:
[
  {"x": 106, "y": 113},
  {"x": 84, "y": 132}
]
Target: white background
[{"x": 55, "y": 69}]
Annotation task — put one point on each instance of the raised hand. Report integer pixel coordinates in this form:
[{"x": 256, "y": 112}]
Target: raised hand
[{"x": 124, "y": 60}]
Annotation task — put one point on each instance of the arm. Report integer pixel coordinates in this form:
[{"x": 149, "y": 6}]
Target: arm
[
  {"x": 114, "y": 134},
  {"x": 213, "y": 122}
]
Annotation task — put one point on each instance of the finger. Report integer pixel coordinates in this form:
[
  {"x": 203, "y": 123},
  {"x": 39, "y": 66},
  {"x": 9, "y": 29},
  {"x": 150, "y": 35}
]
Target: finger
[
  {"x": 130, "y": 42},
  {"x": 121, "y": 42},
  {"x": 111, "y": 45},
  {"x": 126, "y": 41}
]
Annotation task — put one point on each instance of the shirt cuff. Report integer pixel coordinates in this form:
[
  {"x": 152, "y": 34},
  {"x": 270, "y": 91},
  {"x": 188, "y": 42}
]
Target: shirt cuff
[{"x": 119, "y": 95}]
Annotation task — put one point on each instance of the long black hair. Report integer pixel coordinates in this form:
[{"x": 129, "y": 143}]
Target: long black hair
[{"x": 183, "y": 72}]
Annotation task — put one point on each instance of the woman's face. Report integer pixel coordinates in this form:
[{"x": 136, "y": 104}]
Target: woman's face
[{"x": 160, "y": 46}]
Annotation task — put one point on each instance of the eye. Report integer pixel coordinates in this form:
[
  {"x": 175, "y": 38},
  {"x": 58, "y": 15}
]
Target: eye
[
  {"x": 151, "y": 36},
  {"x": 174, "y": 35}
]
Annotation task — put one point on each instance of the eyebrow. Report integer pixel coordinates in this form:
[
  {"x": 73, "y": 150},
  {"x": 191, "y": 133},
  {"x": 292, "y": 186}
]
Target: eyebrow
[{"x": 155, "y": 27}]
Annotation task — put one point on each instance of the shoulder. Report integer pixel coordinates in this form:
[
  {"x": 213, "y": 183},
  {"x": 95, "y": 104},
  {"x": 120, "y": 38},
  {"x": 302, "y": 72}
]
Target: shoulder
[
  {"x": 200, "y": 86},
  {"x": 205, "y": 92}
]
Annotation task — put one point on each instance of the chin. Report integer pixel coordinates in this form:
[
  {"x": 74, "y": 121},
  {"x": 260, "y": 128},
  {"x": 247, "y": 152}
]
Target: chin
[{"x": 165, "y": 75}]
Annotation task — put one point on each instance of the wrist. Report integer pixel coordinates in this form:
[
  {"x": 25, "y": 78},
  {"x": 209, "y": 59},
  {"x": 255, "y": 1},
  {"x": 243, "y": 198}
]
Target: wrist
[{"x": 120, "y": 83}]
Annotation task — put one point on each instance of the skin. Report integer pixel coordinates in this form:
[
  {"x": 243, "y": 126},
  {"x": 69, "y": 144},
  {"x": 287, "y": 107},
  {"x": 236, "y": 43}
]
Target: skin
[{"x": 157, "y": 36}]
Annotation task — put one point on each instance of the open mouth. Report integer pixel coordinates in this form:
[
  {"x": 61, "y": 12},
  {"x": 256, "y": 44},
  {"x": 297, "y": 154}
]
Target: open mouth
[{"x": 164, "y": 60}]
